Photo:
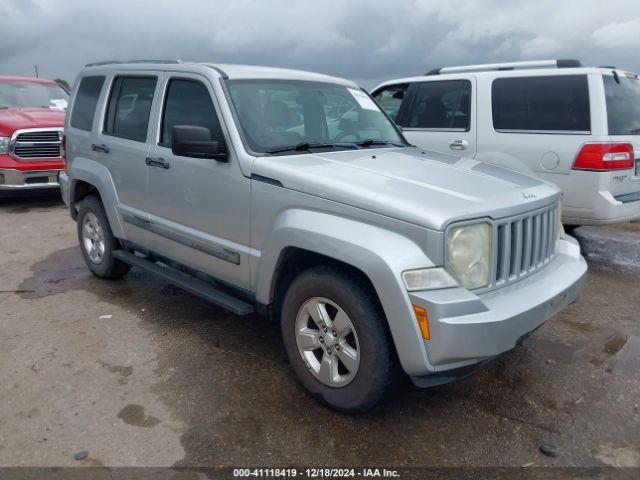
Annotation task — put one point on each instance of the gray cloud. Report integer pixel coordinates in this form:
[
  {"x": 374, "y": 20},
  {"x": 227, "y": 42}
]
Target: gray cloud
[{"x": 368, "y": 41}]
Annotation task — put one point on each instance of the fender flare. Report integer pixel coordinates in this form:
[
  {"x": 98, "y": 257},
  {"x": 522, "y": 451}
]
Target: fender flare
[
  {"x": 382, "y": 255},
  {"x": 98, "y": 176}
]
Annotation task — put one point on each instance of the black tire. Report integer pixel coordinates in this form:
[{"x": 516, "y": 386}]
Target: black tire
[
  {"x": 108, "y": 267},
  {"x": 378, "y": 367}
]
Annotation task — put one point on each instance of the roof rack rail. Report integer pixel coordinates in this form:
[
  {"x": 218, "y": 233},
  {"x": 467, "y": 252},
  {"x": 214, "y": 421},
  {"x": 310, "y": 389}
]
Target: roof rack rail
[
  {"x": 120, "y": 62},
  {"x": 488, "y": 67}
]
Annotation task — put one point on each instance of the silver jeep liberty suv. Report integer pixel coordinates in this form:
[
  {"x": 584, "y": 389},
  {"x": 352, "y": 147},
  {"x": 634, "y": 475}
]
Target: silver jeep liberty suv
[{"x": 291, "y": 194}]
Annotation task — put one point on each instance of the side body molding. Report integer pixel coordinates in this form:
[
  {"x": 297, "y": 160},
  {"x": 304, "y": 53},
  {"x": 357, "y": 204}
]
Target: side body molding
[
  {"x": 381, "y": 254},
  {"x": 96, "y": 174}
]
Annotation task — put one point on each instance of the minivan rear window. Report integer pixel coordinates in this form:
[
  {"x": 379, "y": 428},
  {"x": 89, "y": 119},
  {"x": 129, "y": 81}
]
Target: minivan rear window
[
  {"x": 623, "y": 104},
  {"x": 557, "y": 104},
  {"x": 84, "y": 107}
]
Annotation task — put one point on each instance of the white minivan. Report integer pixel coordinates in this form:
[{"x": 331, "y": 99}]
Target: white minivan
[{"x": 575, "y": 126}]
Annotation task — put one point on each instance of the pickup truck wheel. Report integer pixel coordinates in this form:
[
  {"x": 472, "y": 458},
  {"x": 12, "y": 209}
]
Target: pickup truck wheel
[
  {"x": 337, "y": 339},
  {"x": 97, "y": 242}
]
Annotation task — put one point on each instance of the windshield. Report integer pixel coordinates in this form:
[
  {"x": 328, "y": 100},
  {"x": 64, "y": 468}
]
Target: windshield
[
  {"x": 623, "y": 104},
  {"x": 32, "y": 95},
  {"x": 276, "y": 114}
]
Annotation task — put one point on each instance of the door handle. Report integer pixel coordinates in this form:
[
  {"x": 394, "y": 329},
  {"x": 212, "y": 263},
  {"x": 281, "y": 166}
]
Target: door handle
[
  {"x": 157, "y": 162},
  {"x": 100, "y": 148},
  {"x": 458, "y": 145}
]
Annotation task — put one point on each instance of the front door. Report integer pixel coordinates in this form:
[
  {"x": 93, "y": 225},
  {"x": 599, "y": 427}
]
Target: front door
[{"x": 199, "y": 207}]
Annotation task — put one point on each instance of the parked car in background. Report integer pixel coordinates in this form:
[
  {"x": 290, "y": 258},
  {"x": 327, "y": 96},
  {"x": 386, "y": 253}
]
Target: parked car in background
[
  {"x": 32, "y": 112},
  {"x": 575, "y": 126},
  {"x": 292, "y": 194}
]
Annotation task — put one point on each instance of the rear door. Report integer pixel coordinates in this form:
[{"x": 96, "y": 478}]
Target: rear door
[
  {"x": 122, "y": 146},
  {"x": 440, "y": 115}
]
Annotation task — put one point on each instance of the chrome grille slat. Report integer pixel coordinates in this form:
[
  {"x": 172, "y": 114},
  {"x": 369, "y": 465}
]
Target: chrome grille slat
[
  {"x": 36, "y": 144},
  {"x": 524, "y": 244}
]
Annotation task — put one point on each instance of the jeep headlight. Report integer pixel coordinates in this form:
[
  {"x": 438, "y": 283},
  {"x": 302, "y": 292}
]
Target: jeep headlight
[
  {"x": 469, "y": 254},
  {"x": 4, "y": 145}
]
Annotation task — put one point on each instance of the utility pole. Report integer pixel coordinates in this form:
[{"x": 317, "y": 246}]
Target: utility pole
[{"x": 36, "y": 67}]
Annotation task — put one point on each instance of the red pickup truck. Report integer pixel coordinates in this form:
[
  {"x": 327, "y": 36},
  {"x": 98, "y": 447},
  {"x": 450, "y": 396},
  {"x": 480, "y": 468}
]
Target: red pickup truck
[{"x": 32, "y": 114}]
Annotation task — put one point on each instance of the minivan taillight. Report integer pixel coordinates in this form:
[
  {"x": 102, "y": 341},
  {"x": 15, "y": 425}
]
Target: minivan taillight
[
  {"x": 603, "y": 157},
  {"x": 63, "y": 152}
]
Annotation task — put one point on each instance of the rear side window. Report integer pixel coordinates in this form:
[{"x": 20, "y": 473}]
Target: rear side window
[
  {"x": 623, "y": 104},
  {"x": 442, "y": 105},
  {"x": 129, "y": 107},
  {"x": 390, "y": 99},
  {"x": 188, "y": 102},
  {"x": 541, "y": 104},
  {"x": 84, "y": 107}
]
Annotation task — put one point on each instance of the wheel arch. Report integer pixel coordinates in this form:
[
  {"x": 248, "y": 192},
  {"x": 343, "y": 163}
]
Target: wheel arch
[
  {"x": 302, "y": 238},
  {"x": 88, "y": 177}
]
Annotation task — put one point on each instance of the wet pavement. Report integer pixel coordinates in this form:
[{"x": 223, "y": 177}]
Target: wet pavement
[{"x": 139, "y": 373}]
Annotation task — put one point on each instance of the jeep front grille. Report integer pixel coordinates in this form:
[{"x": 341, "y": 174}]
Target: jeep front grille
[
  {"x": 32, "y": 144},
  {"x": 524, "y": 244}
]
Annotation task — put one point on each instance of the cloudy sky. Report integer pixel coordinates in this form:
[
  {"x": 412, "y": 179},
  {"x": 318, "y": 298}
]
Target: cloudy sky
[{"x": 368, "y": 41}]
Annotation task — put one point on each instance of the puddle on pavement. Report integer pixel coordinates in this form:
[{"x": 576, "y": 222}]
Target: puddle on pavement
[{"x": 626, "y": 355}]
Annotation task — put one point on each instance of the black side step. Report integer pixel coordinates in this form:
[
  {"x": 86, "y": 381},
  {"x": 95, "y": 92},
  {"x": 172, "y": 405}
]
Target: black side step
[{"x": 190, "y": 284}]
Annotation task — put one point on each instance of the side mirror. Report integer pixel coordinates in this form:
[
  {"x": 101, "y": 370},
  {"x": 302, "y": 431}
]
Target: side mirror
[{"x": 192, "y": 141}]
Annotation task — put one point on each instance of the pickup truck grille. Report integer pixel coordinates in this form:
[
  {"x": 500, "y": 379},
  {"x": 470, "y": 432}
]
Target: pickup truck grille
[
  {"x": 524, "y": 244},
  {"x": 36, "y": 144}
]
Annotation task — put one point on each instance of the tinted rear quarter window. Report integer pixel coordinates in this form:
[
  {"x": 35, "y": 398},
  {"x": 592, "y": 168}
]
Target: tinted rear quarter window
[
  {"x": 188, "y": 102},
  {"x": 442, "y": 105},
  {"x": 129, "y": 107},
  {"x": 543, "y": 103},
  {"x": 623, "y": 104},
  {"x": 84, "y": 107}
]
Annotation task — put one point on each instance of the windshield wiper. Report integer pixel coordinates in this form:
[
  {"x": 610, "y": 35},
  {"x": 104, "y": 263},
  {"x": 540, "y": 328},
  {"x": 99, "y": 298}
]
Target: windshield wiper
[
  {"x": 635, "y": 131},
  {"x": 370, "y": 142},
  {"x": 306, "y": 146}
]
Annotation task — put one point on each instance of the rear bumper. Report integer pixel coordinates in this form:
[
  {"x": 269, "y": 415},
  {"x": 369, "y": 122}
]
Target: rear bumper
[
  {"x": 599, "y": 198},
  {"x": 468, "y": 329},
  {"x": 14, "y": 181},
  {"x": 63, "y": 179},
  {"x": 606, "y": 209}
]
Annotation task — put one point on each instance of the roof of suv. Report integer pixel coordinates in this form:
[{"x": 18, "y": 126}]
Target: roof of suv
[
  {"x": 227, "y": 71},
  {"x": 542, "y": 67}
]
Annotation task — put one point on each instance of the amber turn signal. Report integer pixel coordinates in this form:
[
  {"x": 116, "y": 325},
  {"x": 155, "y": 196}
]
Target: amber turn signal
[{"x": 423, "y": 321}]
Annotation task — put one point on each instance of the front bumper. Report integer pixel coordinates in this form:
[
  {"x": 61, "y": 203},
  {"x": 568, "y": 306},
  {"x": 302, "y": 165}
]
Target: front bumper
[
  {"x": 468, "y": 329},
  {"x": 25, "y": 180}
]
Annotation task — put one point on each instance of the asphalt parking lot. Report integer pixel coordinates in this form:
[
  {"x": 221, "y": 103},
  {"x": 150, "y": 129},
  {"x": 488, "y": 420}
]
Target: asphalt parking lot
[{"x": 139, "y": 373}]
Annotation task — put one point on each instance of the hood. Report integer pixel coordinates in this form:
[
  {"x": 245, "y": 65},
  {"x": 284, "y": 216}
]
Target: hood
[
  {"x": 423, "y": 188},
  {"x": 13, "y": 119}
]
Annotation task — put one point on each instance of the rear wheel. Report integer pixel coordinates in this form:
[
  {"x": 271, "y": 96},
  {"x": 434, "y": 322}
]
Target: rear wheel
[
  {"x": 337, "y": 339},
  {"x": 97, "y": 242}
]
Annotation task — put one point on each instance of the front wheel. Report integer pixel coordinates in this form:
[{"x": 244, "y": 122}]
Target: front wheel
[
  {"x": 97, "y": 242},
  {"x": 337, "y": 340}
]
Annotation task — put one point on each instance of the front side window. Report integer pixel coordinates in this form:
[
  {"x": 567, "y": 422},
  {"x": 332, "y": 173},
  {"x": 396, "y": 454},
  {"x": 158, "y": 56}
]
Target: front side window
[
  {"x": 390, "y": 99},
  {"x": 623, "y": 104},
  {"x": 274, "y": 114},
  {"x": 25, "y": 94},
  {"x": 188, "y": 102},
  {"x": 541, "y": 104},
  {"x": 129, "y": 107},
  {"x": 84, "y": 106},
  {"x": 442, "y": 105}
]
